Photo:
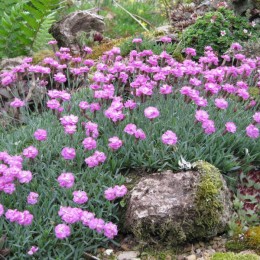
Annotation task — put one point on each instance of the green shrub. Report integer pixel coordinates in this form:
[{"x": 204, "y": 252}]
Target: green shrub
[{"x": 207, "y": 31}]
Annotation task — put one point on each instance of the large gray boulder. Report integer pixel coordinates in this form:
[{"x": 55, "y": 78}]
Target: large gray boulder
[
  {"x": 68, "y": 30},
  {"x": 174, "y": 208}
]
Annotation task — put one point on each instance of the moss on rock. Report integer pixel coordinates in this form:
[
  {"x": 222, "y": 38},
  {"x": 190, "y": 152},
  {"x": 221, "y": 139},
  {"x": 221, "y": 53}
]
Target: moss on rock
[{"x": 208, "y": 202}]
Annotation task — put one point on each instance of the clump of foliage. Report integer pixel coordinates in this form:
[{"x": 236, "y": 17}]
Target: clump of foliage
[
  {"x": 218, "y": 29},
  {"x": 128, "y": 108}
]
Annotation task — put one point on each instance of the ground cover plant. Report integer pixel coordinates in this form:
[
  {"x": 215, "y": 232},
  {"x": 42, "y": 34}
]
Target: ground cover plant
[
  {"x": 62, "y": 173},
  {"x": 219, "y": 29}
]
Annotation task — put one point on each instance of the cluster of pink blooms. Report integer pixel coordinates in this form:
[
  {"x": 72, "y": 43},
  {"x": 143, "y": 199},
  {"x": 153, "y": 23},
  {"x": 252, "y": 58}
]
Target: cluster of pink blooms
[
  {"x": 11, "y": 169},
  {"x": 57, "y": 97},
  {"x": 115, "y": 192},
  {"x": 23, "y": 218},
  {"x": 74, "y": 215},
  {"x": 131, "y": 129},
  {"x": 96, "y": 159},
  {"x": 144, "y": 74}
]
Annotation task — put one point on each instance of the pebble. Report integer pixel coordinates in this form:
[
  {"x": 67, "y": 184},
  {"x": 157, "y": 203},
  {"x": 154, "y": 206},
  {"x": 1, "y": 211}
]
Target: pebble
[
  {"x": 191, "y": 257},
  {"x": 128, "y": 255}
]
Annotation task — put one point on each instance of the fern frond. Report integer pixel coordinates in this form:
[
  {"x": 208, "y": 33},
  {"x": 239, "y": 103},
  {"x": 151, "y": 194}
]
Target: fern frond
[
  {"x": 43, "y": 36},
  {"x": 25, "y": 27}
]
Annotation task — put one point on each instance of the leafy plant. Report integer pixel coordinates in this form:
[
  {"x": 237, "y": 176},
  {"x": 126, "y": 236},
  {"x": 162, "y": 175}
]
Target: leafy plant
[
  {"x": 218, "y": 30},
  {"x": 25, "y": 27}
]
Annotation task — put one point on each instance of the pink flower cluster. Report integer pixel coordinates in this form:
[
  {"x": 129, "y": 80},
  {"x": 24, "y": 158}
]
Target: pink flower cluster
[
  {"x": 10, "y": 171},
  {"x": 74, "y": 215},
  {"x": 131, "y": 129},
  {"x": 115, "y": 192},
  {"x": 96, "y": 159},
  {"x": 23, "y": 218}
]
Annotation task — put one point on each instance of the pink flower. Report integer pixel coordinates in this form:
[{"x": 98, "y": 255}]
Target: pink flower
[
  {"x": 256, "y": 117},
  {"x": 62, "y": 231},
  {"x": 110, "y": 230},
  {"x": 137, "y": 40},
  {"x": 97, "y": 224},
  {"x": 87, "y": 217},
  {"x": 87, "y": 50},
  {"x": 230, "y": 127},
  {"x": 1, "y": 210},
  {"x": 60, "y": 77},
  {"x": 166, "y": 89},
  {"x": 208, "y": 126},
  {"x": 130, "y": 104},
  {"x": 91, "y": 161},
  {"x": 17, "y": 103},
  {"x": 120, "y": 191},
  {"x": 80, "y": 197},
  {"x": 151, "y": 112},
  {"x": 30, "y": 152},
  {"x": 110, "y": 194},
  {"x": 53, "y": 104},
  {"x": 140, "y": 134},
  {"x": 84, "y": 105},
  {"x": 70, "y": 129},
  {"x": 89, "y": 143},
  {"x": 252, "y": 131},
  {"x": 24, "y": 176},
  {"x": 190, "y": 51},
  {"x": 66, "y": 180},
  {"x": 69, "y": 120},
  {"x": 115, "y": 143},
  {"x": 130, "y": 129},
  {"x": 166, "y": 39},
  {"x": 236, "y": 46},
  {"x": 201, "y": 115},
  {"x": 221, "y": 103},
  {"x": 68, "y": 153},
  {"x": 53, "y": 42},
  {"x": 33, "y": 250},
  {"x": 40, "y": 135},
  {"x": 223, "y": 33},
  {"x": 243, "y": 93},
  {"x": 32, "y": 198},
  {"x": 169, "y": 138}
]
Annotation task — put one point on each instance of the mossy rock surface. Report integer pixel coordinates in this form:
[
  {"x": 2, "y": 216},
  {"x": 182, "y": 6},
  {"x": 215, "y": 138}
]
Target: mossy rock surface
[{"x": 174, "y": 208}]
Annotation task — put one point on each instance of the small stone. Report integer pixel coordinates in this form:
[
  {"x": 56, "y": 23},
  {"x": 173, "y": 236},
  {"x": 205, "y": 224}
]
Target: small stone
[
  {"x": 128, "y": 255},
  {"x": 198, "y": 251},
  {"x": 191, "y": 257},
  {"x": 180, "y": 257},
  {"x": 202, "y": 244},
  {"x": 188, "y": 248},
  {"x": 215, "y": 246},
  {"x": 109, "y": 252},
  {"x": 196, "y": 246},
  {"x": 217, "y": 238}
]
